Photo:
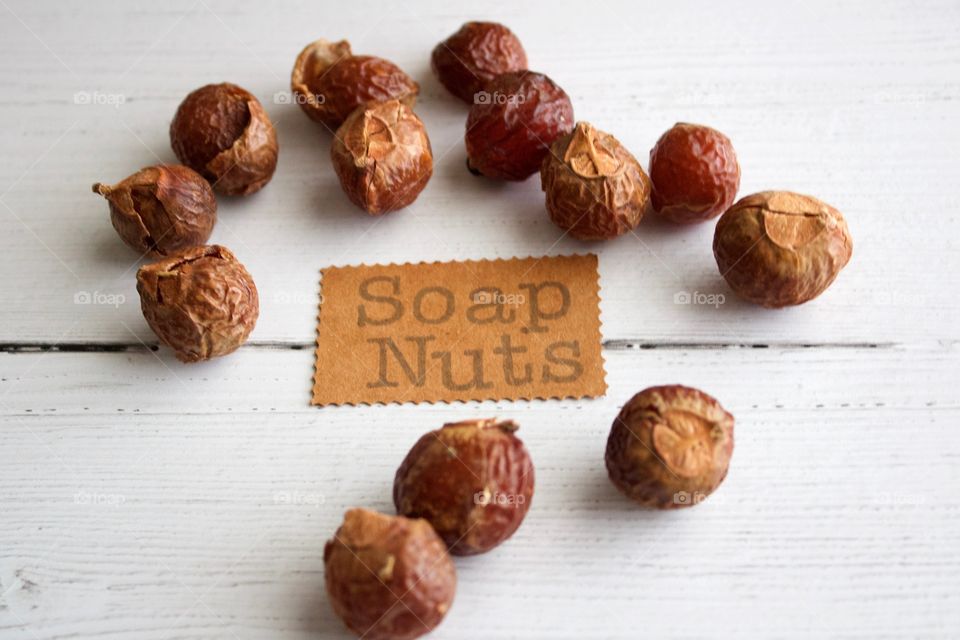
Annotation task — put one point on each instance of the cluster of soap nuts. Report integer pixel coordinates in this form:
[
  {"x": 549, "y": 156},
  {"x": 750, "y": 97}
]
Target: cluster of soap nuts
[
  {"x": 462, "y": 489},
  {"x": 774, "y": 248},
  {"x": 198, "y": 299},
  {"x": 465, "y": 488}
]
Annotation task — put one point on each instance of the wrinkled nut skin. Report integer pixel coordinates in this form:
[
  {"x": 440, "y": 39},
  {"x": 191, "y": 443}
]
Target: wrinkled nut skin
[
  {"x": 388, "y": 577},
  {"x": 161, "y": 210},
  {"x": 201, "y": 302},
  {"x": 329, "y": 82},
  {"x": 512, "y": 124},
  {"x": 382, "y": 157},
  {"x": 472, "y": 480},
  {"x": 595, "y": 188},
  {"x": 222, "y": 132},
  {"x": 778, "y": 248},
  {"x": 695, "y": 173},
  {"x": 670, "y": 447},
  {"x": 475, "y": 55}
]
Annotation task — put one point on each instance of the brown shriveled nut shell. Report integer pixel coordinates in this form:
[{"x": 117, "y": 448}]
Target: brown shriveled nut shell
[
  {"x": 329, "y": 82},
  {"x": 388, "y": 577},
  {"x": 695, "y": 173},
  {"x": 595, "y": 188},
  {"x": 222, "y": 132},
  {"x": 670, "y": 447},
  {"x": 201, "y": 302},
  {"x": 474, "y": 55},
  {"x": 778, "y": 248},
  {"x": 472, "y": 480},
  {"x": 161, "y": 210},
  {"x": 382, "y": 157}
]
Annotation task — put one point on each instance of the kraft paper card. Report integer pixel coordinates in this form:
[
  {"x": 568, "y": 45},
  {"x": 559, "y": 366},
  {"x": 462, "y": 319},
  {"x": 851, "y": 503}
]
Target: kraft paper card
[{"x": 473, "y": 330}]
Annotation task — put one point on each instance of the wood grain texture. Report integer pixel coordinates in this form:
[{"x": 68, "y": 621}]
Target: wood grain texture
[
  {"x": 141, "y": 498},
  {"x": 840, "y": 508}
]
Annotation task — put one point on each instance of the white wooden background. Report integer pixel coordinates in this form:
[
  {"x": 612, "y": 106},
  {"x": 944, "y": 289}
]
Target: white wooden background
[{"x": 141, "y": 498}]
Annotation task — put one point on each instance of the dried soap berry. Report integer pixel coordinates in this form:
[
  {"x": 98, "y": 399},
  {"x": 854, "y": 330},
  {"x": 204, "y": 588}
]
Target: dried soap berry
[
  {"x": 778, "y": 248},
  {"x": 388, "y": 577},
  {"x": 222, "y": 132},
  {"x": 515, "y": 119},
  {"x": 695, "y": 173},
  {"x": 382, "y": 156},
  {"x": 161, "y": 210},
  {"x": 329, "y": 82},
  {"x": 472, "y": 480},
  {"x": 201, "y": 302},
  {"x": 595, "y": 188},
  {"x": 475, "y": 55},
  {"x": 670, "y": 447}
]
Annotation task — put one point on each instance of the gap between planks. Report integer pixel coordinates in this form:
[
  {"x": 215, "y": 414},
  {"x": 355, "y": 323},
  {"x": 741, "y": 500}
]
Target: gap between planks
[{"x": 609, "y": 345}]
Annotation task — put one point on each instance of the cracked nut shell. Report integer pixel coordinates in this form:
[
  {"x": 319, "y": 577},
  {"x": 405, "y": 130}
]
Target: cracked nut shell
[
  {"x": 329, "y": 82},
  {"x": 475, "y": 55},
  {"x": 695, "y": 173},
  {"x": 778, "y": 248},
  {"x": 472, "y": 480},
  {"x": 595, "y": 188},
  {"x": 513, "y": 122},
  {"x": 388, "y": 577},
  {"x": 382, "y": 157},
  {"x": 222, "y": 132},
  {"x": 161, "y": 210},
  {"x": 201, "y": 302},
  {"x": 670, "y": 447}
]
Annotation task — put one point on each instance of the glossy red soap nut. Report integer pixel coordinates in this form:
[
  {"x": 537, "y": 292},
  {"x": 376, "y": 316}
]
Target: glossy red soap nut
[
  {"x": 472, "y": 480},
  {"x": 388, "y": 577},
  {"x": 695, "y": 173},
  {"x": 595, "y": 188},
  {"x": 670, "y": 447},
  {"x": 201, "y": 302},
  {"x": 329, "y": 82},
  {"x": 474, "y": 55},
  {"x": 382, "y": 156},
  {"x": 513, "y": 122},
  {"x": 162, "y": 209},
  {"x": 222, "y": 132}
]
